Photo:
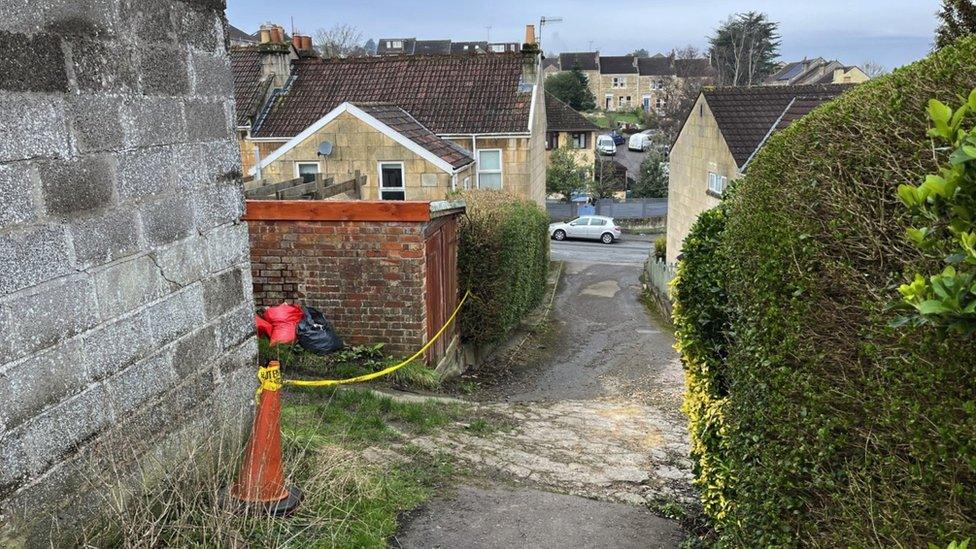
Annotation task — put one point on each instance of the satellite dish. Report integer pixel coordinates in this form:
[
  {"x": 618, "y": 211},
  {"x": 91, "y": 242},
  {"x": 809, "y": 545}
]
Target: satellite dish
[{"x": 325, "y": 148}]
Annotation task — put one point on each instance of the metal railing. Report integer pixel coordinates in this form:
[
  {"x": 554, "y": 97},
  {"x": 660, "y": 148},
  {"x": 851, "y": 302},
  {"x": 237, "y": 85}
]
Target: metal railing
[{"x": 657, "y": 277}]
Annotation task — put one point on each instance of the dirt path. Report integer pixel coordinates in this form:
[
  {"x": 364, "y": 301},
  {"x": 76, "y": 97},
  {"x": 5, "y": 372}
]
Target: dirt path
[{"x": 590, "y": 412}]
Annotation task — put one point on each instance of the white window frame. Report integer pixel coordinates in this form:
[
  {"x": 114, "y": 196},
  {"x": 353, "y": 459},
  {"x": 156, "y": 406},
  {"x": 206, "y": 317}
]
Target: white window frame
[
  {"x": 395, "y": 44},
  {"x": 497, "y": 48},
  {"x": 583, "y": 140},
  {"x": 717, "y": 183},
  {"x": 499, "y": 171},
  {"x": 660, "y": 103},
  {"x": 298, "y": 165},
  {"x": 403, "y": 178}
]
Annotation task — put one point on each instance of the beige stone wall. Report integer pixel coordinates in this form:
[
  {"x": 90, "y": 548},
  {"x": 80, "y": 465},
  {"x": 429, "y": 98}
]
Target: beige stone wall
[
  {"x": 585, "y": 156},
  {"x": 518, "y": 173},
  {"x": 646, "y": 87},
  {"x": 265, "y": 148},
  {"x": 538, "y": 158},
  {"x": 699, "y": 149},
  {"x": 360, "y": 147},
  {"x": 631, "y": 89}
]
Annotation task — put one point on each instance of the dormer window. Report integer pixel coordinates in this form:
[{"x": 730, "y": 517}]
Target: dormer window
[{"x": 395, "y": 44}]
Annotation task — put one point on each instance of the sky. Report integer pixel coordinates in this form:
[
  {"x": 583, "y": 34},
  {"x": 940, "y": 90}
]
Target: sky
[{"x": 890, "y": 32}]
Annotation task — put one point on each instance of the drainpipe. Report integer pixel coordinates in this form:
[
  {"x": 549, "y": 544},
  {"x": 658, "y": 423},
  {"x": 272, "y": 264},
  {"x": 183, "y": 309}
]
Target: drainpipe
[
  {"x": 474, "y": 152},
  {"x": 257, "y": 163}
]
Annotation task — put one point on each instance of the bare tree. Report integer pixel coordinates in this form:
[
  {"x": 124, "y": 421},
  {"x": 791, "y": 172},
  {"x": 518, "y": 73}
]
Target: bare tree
[
  {"x": 744, "y": 49},
  {"x": 687, "y": 52},
  {"x": 340, "y": 41},
  {"x": 873, "y": 69}
]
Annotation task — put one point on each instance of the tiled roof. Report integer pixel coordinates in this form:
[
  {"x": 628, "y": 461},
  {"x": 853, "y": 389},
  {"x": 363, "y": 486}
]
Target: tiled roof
[
  {"x": 550, "y": 62},
  {"x": 248, "y": 93},
  {"x": 462, "y": 48},
  {"x": 745, "y": 116},
  {"x": 408, "y": 126},
  {"x": 469, "y": 94},
  {"x": 432, "y": 47},
  {"x": 617, "y": 64},
  {"x": 694, "y": 68},
  {"x": 560, "y": 117},
  {"x": 587, "y": 61},
  {"x": 237, "y": 35},
  {"x": 655, "y": 66}
]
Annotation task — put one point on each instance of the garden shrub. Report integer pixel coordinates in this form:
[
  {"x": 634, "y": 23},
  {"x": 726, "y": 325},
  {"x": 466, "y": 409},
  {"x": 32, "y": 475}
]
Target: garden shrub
[
  {"x": 837, "y": 429},
  {"x": 503, "y": 258},
  {"x": 701, "y": 323}
]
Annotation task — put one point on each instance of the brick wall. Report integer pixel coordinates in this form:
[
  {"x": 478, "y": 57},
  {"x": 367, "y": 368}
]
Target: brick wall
[
  {"x": 367, "y": 277},
  {"x": 125, "y": 302}
]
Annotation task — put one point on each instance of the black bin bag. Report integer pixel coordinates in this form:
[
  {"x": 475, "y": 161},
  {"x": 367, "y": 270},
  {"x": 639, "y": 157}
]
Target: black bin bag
[{"x": 316, "y": 335}]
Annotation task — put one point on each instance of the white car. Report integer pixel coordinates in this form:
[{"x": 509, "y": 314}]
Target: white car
[
  {"x": 640, "y": 141},
  {"x": 592, "y": 227},
  {"x": 605, "y": 145}
]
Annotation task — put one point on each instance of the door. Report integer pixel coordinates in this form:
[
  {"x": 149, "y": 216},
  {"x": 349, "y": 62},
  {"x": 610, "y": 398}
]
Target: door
[
  {"x": 596, "y": 227},
  {"x": 442, "y": 284},
  {"x": 578, "y": 228},
  {"x": 608, "y": 102},
  {"x": 646, "y": 103}
]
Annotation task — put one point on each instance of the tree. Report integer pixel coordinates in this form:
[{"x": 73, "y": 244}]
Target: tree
[
  {"x": 640, "y": 52},
  {"x": 607, "y": 178},
  {"x": 572, "y": 88},
  {"x": 687, "y": 52},
  {"x": 652, "y": 182},
  {"x": 873, "y": 69},
  {"x": 679, "y": 96},
  {"x": 370, "y": 47},
  {"x": 565, "y": 174},
  {"x": 339, "y": 41},
  {"x": 744, "y": 49},
  {"x": 957, "y": 18}
]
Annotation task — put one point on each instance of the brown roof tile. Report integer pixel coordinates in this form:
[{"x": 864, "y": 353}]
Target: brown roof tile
[
  {"x": 447, "y": 94},
  {"x": 246, "y": 66},
  {"x": 618, "y": 64},
  {"x": 560, "y": 117},
  {"x": 746, "y": 116},
  {"x": 408, "y": 126}
]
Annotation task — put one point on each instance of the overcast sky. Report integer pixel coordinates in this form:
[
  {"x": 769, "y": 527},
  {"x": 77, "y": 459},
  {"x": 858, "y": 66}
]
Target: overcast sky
[{"x": 890, "y": 32}]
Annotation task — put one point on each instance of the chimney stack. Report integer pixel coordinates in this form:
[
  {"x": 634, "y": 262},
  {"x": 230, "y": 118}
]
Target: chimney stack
[{"x": 530, "y": 34}]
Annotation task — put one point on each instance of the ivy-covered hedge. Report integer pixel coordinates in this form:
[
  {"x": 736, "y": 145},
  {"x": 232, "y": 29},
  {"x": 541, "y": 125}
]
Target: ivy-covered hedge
[
  {"x": 503, "y": 257},
  {"x": 835, "y": 429}
]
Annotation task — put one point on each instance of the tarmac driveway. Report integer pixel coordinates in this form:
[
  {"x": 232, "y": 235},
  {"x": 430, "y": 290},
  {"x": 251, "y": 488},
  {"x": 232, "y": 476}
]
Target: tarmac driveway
[{"x": 597, "y": 442}]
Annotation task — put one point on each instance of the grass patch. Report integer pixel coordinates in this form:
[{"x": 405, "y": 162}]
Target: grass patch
[
  {"x": 296, "y": 363},
  {"x": 610, "y": 120},
  {"x": 349, "y": 501}
]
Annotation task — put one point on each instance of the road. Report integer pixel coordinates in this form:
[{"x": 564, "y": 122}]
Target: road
[
  {"x": 596, "y": 440},
  {"x": 630, "y": 160},
  {"x": 628, "y": 251}
]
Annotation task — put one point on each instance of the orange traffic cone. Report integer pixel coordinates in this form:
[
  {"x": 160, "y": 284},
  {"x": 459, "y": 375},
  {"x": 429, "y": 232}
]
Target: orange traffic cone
[{"x": 261, "y": 482}]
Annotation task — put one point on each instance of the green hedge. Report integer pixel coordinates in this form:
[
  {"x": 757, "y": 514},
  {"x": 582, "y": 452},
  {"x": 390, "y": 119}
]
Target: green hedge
[
  {"x": 834, "y": 428},
  {"x": 503, "y": 258}
]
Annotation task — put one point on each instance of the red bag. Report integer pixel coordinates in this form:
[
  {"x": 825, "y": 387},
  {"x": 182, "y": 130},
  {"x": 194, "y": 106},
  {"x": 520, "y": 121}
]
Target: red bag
[
  {"x": 284, "y": 319},
  {"x": 264, "y": 327}
]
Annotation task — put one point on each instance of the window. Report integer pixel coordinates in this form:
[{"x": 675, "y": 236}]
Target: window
[
  {"x": 658, "y": 85},
  {"x": 552, "y": 141},
  {"x": 307, "y": 171},
  {"x": 579, "y": 140},
  {"x": 391, "y": 181},
  {"x": 490, "y": 169},
  {"x": 597, "y": 222},
  {"x": 619, "y": 82},
  {"x": 623, "y": 101},
  {"x": 498, "y": 48},
  {"x": 394, "y": 44},
  {"x": 660, "y": 102},
  {"x": 717, "y": 183}
]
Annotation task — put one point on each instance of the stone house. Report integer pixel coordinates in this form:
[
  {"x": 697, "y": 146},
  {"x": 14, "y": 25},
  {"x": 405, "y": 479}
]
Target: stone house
[
  {"x": 490, "y": 105},
  {"x": 626, "y": 82},
  {"x": 567, "y": 127},
  {"x": 816, "y": 71},
  {"x": 405, "y": 159},
  {"x": 722, "y": 134}
]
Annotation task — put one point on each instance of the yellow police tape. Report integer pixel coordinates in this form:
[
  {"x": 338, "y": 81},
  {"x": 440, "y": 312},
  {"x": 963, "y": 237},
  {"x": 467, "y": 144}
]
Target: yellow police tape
[{"x": 271, "y": 383}]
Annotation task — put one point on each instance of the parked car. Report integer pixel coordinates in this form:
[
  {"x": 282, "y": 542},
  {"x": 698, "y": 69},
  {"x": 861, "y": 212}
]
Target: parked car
[
  {"x": 618, "y": 138},
  {"x": 640, "y": 142},
  {"x": 605, "y": 145},
  {"x": 591, "y": 227}
]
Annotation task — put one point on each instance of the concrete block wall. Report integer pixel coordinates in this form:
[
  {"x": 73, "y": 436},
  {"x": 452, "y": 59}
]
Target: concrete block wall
[{"x": 125, "y": 291}]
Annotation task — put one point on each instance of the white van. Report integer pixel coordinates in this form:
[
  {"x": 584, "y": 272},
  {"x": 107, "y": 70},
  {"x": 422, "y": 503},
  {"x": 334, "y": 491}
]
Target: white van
[
  {"x": 605, "y": 145},
  {"x": 640, "y": 141}
]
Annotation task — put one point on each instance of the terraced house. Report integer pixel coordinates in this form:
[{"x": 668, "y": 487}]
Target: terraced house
[
  {"x": 417, "y": 126},
  {"x": 625, "y": 82}
]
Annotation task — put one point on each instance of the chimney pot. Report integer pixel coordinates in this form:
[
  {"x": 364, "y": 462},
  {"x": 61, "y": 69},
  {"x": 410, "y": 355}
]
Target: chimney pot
[
  {"x": 265, "y": 35},
  {"x": 306, "y": 42},
  {"x": 276, "y": 35},
  {"x": 530, "y": 34},
  {"x": 296, "y": 41}
]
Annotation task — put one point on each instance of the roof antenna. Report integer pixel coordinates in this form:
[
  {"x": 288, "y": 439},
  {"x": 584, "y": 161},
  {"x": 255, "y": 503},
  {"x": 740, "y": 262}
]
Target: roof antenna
[
  {"x": 543, "y": 22},
  {"x": 488, "y": 28}
]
